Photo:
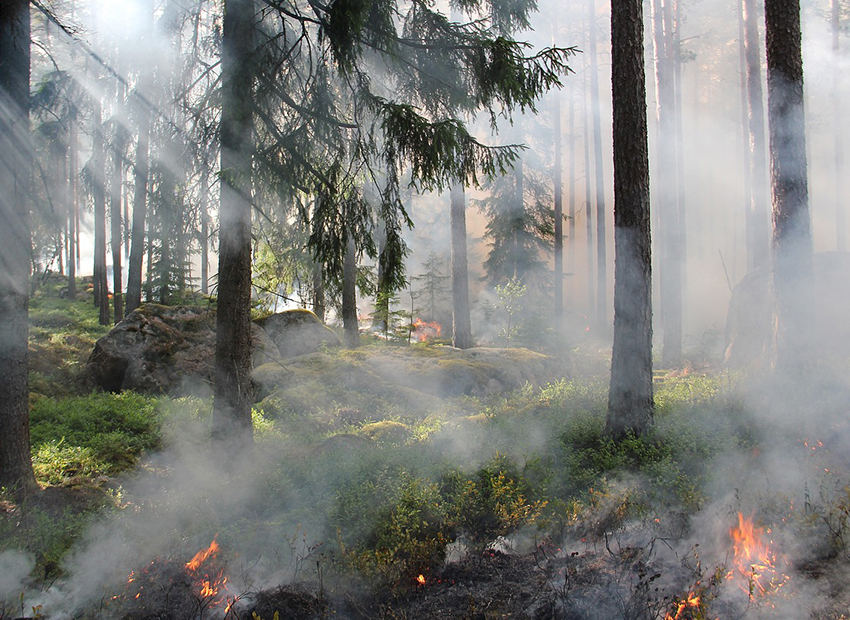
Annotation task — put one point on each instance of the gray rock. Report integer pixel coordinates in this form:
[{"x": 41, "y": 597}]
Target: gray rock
[
  {"x": 164, "y": 349},
  {"x": 297, "y": 332}
]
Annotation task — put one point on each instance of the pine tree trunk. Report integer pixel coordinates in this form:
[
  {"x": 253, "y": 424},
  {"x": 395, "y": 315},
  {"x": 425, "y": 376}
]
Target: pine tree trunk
[
  {"x": 349, "y": 295},
  {"x": 668, "y": 207},
  {"x": 599, "y": 176},
  {"x": 630, "y": 402},
  {"x": 792, "y": 236},
  {"x": 116, "y": 187},
  {"x": 759, "y": 254},
  {"x": 232, "y": 402},
  {"x": 559, "y": 214},
  {"x": 72, "y": 211},
  {"x": 205, "y": 236},
  {"x": 461, "y": 324},
  {"x": 140, "y": 197},
  {"x": 101, "y": 287},
  {"x": 571, "y": 222},
  {"x": 318, "y": 292},
  {"x": 838, "y": 114},
  {"x": 591, "y": 297},
  {"x": 15, "y": 245}
]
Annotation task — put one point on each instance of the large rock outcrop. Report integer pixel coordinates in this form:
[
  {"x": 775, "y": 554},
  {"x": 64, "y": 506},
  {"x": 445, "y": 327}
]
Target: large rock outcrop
[{"x": 171, "y": 349}]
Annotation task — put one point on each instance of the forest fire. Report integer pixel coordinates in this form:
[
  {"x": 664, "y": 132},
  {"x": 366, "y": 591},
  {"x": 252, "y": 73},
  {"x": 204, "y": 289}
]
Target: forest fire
[
  {"x": 754, "y": 561},
  {"x": 691, "y": 602},
  {"x": 197, "y": 585},
  {"x": 426, "y": 330}
]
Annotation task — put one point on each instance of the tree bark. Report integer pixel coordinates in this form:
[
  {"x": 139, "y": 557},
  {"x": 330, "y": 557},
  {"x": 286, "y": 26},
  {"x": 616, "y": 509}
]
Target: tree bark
[
  {"x": 666, "y": 186},
  {"x": 591, "y": 298},
  {"x": 205, "y": 236},
  {"x": 15, "y": 245},
  {"x": 599, "y": 176},
  {"x": 559, "y": 213},
  {"x": 116, "y": 187},
  {"x": 101, "y": 286},
  {"x": 758, "y": 236},
  {"x": 350, "y": 326},
  {"x": 72, "y": 209},
  {"x": 792, "y": 236},
  {"x": 838, "y": 112},
  {"x": 232, "y": 396},
  {"x": 630, "y": 401},
  {"x": 461, "y": 325},
  {"x": 571, "y": 222}
]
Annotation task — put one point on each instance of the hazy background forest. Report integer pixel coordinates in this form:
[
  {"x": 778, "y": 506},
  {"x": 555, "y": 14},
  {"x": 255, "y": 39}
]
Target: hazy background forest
[
  {"x": 176, "y": 454},
  {"x": 102, "y": 53}
]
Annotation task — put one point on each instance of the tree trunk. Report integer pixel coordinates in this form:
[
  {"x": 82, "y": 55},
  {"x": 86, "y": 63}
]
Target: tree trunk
[
  {"x": 599, "y": 176},
  {"x": 591, "y": 298},
  {"x": 101, "y": 286},
  {"x": 559, "y": 214},
  {"x": 461, "y": 325},
  {"x": 205, "y": 235},
  {"x": 571, "y": 223},
  {"x": 668, "y": 207},
  {"x": 318, "y": 292},
  {"x": 759, "y": 253},
  {"x": 838, "y": 112},
  {"x": 232, "y": 403},
  {"x": 792, "y": 236},
  {"x": 116, "y": 187},
  {"x": 15, "y": 245},
  {"x": 72, "y": 210},
  {"x": 349, "y": 295},
  {"x": 630, "y": 402}
]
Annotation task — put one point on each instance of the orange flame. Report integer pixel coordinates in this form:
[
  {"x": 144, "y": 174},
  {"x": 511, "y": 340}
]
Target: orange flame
[
  {"x": 691, "y": 601},
  {"x": 421, "y": 580},
  {"x": 754, "y": 560},
  {"x": 202, "y": 555},
  {"x": 426, "y": 330}
]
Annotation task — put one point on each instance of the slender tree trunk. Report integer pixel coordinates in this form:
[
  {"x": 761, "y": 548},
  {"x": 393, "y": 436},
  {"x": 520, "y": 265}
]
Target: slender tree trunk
[
  {"x": 72, "y": 210},
  {"x": 232, "y": 402},
  {"x": 15, "y": 245},
  {"x": 676, "y": 51},
  {"x": 591, "y": 298},
  {"x": 571, "y": 223},
  {"x": 746, "y": 149},
  {"x": 205, "y": 236},
  {"x": 668, "y": 207},
  {"x": 838, "y": 132},
  {"x": 760, "y": 252},
  {"x": 519, "y": 206},
  {"x": 140, "y": 197},
  {"x": 559, "y": 214},
  {"x": 461, "y": 325},
  {"x": 599, "y": 176},
  {"x": 318, "y": 292},
  {"x": 630, "y": 401},
  {"x": 116, "y": 191},
  {"x": 101, "y": 286},
  {"x": 349, "y": 295},
  {"x": 792, "y": 235}
]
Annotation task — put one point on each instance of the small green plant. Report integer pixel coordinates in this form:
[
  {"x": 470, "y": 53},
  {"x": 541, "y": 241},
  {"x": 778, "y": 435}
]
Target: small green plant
[{"x": 510, "y": 300}]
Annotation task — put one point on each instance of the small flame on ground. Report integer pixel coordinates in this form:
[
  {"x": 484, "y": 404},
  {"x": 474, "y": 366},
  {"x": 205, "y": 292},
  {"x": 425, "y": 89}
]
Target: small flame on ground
[
  {"x": 421, "y": 580},
  {"x": 202, "y": 555},
  {"x": 691, "y": 601},
  {"x": 426, "y": 330},
  {"x": 754, "y": 560}
]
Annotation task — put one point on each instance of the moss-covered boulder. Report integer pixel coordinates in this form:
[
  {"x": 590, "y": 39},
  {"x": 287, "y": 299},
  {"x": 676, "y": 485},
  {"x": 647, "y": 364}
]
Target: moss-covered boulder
[
  {"x": 164, "y": 349},
  {"x": 297, "y": 332}
]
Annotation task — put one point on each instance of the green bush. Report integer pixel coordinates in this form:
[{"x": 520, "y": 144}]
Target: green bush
[{"x": 98, "y": 433}]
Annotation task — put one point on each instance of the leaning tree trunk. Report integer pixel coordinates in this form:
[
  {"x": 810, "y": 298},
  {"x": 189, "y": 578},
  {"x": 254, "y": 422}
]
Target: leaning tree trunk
[
  {"x": 630, "y": 403},
  {"x": 232, "y": 402},
  {"x": 461, "y": 325},
  {"x": 15, "y": 245},
  {"x": 792, "y": 235}
]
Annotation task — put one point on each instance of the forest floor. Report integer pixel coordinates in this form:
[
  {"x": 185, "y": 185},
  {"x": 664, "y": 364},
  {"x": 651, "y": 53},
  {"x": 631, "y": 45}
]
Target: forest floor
[{"x": 502, "y": 505}]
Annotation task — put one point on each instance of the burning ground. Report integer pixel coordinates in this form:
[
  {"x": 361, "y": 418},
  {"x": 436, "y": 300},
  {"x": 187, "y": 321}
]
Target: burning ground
[{"x": 509, "y": 504}]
